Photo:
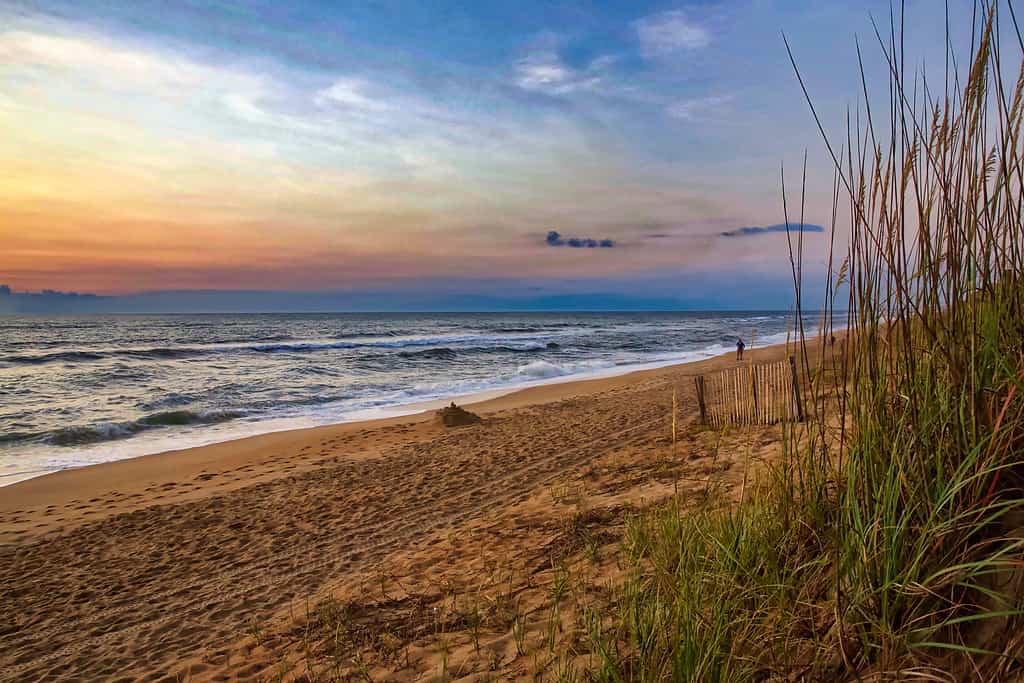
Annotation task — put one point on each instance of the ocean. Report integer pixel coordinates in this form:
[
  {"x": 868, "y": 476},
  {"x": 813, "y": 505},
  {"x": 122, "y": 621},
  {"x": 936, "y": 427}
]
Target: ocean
[{"x": 76, "y": 390}]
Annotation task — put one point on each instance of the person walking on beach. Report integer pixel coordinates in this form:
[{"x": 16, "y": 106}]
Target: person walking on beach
[{"x": 739, "y": 349}]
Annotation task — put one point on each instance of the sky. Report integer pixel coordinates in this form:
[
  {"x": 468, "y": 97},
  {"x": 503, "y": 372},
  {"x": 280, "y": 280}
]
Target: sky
[{"x": 399, "y": 146}]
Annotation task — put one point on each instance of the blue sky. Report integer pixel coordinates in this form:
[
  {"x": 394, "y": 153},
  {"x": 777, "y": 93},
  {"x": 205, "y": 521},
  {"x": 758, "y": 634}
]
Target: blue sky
[{"x": 367, "y": 145}]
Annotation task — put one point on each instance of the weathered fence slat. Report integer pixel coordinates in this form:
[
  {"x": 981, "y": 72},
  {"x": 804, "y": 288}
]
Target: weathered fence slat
[
  {"x": 796, "y": 390},
  {"x": 699, "y": 381},
  {"x": 751, "y": 394}
]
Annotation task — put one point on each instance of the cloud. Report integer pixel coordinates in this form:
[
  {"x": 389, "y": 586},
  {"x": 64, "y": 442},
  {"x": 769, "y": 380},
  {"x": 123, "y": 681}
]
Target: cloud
[
  {"x": 101, "y": 59},
  {"x": 698, "y": 108},
  {"x": 763, "y": 229},
  {"x": 668, "y": 33},
  {"x": 554, "y": 239},
  {"x": 352, "y": 156},
  {"x": 350, "y": 93},
  {"x": 543, "y": 70}
]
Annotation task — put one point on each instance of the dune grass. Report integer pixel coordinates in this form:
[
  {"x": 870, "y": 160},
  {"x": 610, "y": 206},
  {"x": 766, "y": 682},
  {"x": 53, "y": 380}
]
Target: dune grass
[{"x": 889, "y": 542}]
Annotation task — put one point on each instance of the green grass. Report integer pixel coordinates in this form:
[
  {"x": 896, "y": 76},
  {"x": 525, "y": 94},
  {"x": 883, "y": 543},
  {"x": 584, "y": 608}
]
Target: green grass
[{"x": 888, "y": 541}]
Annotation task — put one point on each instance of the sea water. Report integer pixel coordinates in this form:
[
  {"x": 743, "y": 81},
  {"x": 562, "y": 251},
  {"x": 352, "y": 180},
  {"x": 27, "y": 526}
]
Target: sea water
[{"x": 76, "y": 390}]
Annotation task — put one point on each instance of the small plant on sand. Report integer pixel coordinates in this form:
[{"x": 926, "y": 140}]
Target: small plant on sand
[
  {"x": 519, "y": 630},
  {"x": 565, "y": 672},
  {"x": 560, "y": 578},
  {"x": 254, "y": 630},
  {"x": 554, "y": 624},
  {"x": 360, "y": 669},
  {"x": 593, "y": 548},
  {"x": 473, "y": 619},
  {"x": 442, "y": 639}
]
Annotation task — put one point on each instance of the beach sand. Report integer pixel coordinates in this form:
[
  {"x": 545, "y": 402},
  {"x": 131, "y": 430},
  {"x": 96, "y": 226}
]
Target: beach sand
[{"x": 221, "y": 562}]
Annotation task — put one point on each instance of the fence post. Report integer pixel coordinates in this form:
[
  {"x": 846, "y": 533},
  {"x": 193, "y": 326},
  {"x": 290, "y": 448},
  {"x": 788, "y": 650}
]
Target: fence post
[
  {"x": 775, "y": 392},
  {"x": 796, "y": 390},
  {"x": 675, "y": 405},
  {"x": 755, "y": 416},
  {"x": 699, "y": 381}
]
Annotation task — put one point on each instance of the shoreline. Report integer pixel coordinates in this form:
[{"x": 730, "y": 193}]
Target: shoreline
[
  {"x": 160, "y": 443},
  {"x": 68, "y": 485}
]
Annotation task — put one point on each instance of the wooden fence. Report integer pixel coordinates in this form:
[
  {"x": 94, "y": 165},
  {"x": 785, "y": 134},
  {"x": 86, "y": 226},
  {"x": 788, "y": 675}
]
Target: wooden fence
[{"x": 751, "y": 394}]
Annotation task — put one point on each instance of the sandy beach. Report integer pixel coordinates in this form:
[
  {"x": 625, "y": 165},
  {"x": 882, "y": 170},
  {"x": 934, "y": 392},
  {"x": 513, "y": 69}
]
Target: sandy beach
[{"x": 206, "y": 564}]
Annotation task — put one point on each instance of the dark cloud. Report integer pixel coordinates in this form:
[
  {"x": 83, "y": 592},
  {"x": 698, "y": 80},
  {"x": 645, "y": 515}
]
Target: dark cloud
[
  {"x": 554, "y": 239},
  {"x": 762, "y": 229}
]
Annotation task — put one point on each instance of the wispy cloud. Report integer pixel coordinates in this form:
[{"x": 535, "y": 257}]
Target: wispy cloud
[
  {"x": 699, "y": 108},
  {"x": 764, "y": 229},
  {"x": 544, "y": 70},
  {"x": 118, "y": 64},
  {"x": 670, "y": 32},
  {"x": 350, "y": 93}
]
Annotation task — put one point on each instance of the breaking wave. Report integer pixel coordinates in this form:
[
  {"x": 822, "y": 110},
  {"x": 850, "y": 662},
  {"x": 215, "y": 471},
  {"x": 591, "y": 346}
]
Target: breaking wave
[
  {"x": 86, "y": 434},
  {"x": 484, "y": 343}
]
